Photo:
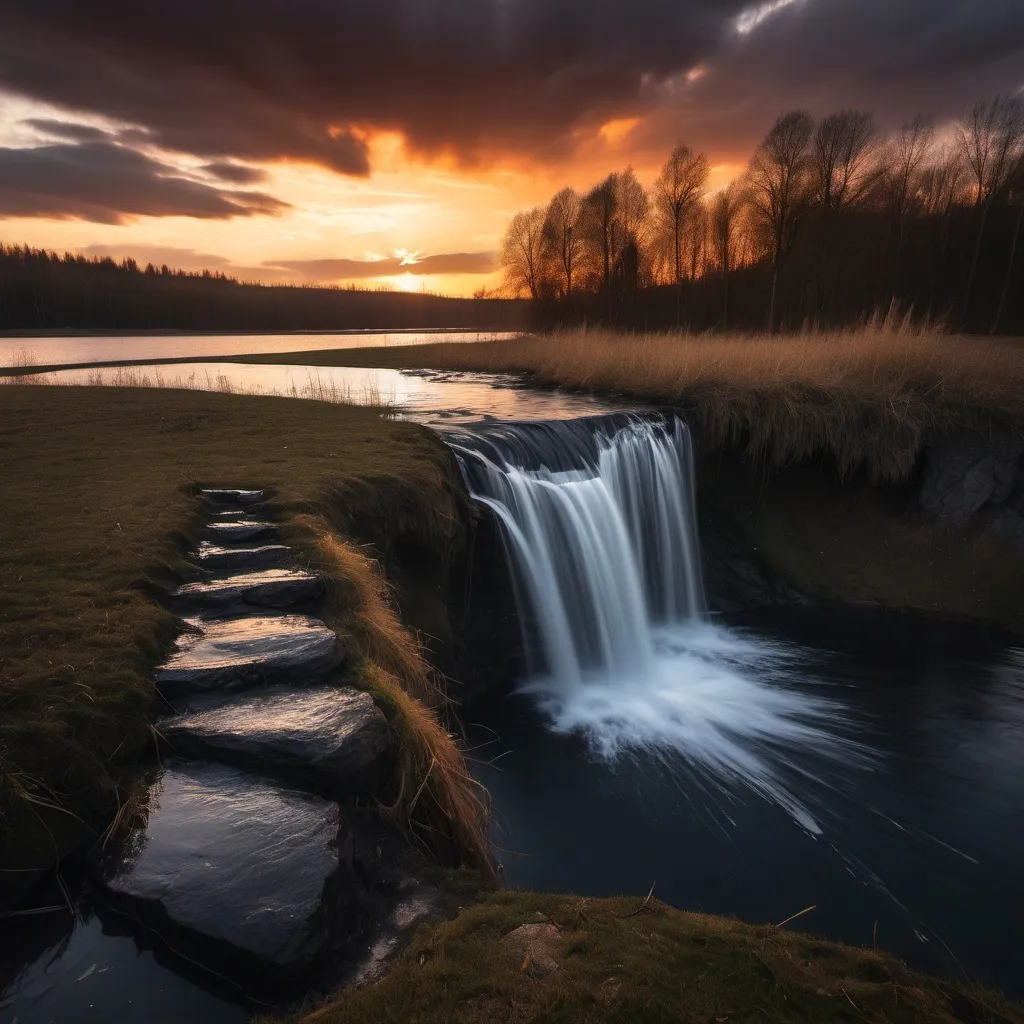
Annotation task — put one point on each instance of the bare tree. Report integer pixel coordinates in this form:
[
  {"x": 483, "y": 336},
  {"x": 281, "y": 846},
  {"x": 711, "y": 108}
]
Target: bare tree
[
  {"x": 776, "y": 180},
  {"x": 841, "y": 151},
  {"x": 681, "y": 184},
  {"x": 563, "y": 236},
  {"x": 632, "y": 209},
  {"x": 522, "y": 252},
  {"x": 725, "y": 209},
  {"x": 991, "y": 137},
  {"x": 907, "y": 152},
  {"x": 600, "y": 208},
  {"x": 1015, "y": 185}
]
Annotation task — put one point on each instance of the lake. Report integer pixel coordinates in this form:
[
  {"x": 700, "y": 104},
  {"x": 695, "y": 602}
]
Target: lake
[{"x": 50, "y": 351}]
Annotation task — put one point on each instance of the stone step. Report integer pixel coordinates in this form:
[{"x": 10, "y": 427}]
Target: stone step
[
  {"x": 237, "y": 653},
  {"x": 231, "y": 515},
  {"x": 233, "y": 496},
  {"x": 217, "y": 557},
  {"x": 240, "y": 531},
  {"x": 269, "y": 588},
  {"x": 328, "y": 736},
  {"x": 244, "y": 876}
]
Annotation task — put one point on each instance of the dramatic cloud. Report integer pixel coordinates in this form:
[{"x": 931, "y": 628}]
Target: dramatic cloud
[
  {"x": 104, "y": 182},
  {"x": 358, "y": 270},
  {"x": 305, "y": 79},
  {"x": 237, "y": 174}
]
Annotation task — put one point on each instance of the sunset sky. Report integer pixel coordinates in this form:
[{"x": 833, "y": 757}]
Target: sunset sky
[{"x": 389, "y": 141}]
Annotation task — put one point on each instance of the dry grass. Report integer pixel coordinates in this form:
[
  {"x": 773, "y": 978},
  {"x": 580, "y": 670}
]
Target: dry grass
[
  {"x": 868, "y": 397},
  {"x": 627, "y": 960},
  {"x": 434, "y": 796}
]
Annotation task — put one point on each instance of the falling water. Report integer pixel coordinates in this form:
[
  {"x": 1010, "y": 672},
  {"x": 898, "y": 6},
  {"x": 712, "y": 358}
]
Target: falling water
[{"x": 599, "y": 519}]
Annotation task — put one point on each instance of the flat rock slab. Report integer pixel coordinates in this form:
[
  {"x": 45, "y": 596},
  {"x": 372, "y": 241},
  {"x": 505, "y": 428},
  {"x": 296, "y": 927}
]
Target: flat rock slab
[
  {"x": 328, "y": 735},
  {"x": 235, "y": 872},
  {"x": 240, "y": 531},
  {"x": 217, "y": 557},
  {"x": 270, "y": 588},
  {"x": 231, "y": 515},
  {"x": 235, "y": 653},
  {"x": 233, "y": 496}
]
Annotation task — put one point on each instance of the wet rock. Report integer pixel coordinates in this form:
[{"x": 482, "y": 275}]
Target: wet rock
[
  {"x": 231, "y": 515},
  {"x": 239, "y": 874},
  {"x": 328, "y": 735},
  {"x": 240, "y": 531},
  {"x": 271, "y": 588},
  {"x": 964, "y": 473},
  {"x": 235, "y": 653},
  {"x": 233, "y": 496},
  {"x": 216, "y": 557}
]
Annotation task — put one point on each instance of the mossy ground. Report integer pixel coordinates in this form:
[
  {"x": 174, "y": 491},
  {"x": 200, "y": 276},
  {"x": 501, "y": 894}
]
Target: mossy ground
[
  {"x": 631, "y": 960},
  {"x": 99, "y": 509}
]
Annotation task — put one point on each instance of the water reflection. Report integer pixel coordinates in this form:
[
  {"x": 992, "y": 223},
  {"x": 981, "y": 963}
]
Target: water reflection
[
  {"x": 66, "y": 351},
  {"x": 56, "y": 968},
  {"x": 436, "y": 398}
]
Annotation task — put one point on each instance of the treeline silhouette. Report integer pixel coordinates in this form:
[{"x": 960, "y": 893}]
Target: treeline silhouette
[
  {"x": 42, "y": 290},
  {"x": 831, "y": 222}
]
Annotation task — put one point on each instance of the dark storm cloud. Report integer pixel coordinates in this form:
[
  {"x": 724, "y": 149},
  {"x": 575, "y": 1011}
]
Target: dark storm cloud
[
  {"x": 356, "y": 270},
  {"x": 893, "y": 57},
  {"x": 237, "y": 174},
  {"x": 263, "y": 79},
  {"x": 67, "y": 131},
  {"x": 103, "y": 182},
  {"x": 300, "y": 79}
]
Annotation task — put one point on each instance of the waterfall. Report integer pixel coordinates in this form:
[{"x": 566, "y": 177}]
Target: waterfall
[{"x": 599, "y": 519}]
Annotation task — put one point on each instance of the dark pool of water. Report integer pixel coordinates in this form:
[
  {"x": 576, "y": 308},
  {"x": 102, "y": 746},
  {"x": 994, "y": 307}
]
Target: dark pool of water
[
  {"x": 58, "y": 969},
  {"x": 921, "y": 852}
]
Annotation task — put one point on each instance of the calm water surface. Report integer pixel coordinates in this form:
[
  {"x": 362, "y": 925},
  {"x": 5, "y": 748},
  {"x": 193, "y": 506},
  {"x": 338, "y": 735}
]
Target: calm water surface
[{"x": 66, "y": 351}]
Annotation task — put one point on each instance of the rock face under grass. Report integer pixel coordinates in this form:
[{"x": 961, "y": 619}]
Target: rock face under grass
[
  {"x": 254, "y": 875},
  {"x": 329, "y": 736},
  {"x": 236, "y": 653}
]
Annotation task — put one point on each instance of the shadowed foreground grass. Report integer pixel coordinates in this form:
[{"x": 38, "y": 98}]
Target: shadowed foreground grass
[
  {"x": 867, "y": 397},
  {"x": 98, "y": 510},
  {"x": 585, "y": 961}
]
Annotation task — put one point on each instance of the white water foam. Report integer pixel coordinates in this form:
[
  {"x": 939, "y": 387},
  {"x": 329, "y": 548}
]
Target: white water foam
[{"x": 599, "y": 520}]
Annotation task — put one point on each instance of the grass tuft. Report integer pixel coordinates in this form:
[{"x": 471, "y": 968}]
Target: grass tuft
[{"x": 434, "y": 797}]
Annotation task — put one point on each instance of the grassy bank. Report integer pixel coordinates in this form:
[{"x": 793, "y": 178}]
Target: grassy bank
[
  {"x": 866, "y": 398},
  {"x": 641, "y": 961},
  {"x": 99, "y": 510}
]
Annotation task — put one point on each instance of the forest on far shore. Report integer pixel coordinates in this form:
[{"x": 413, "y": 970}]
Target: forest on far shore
[{"x": 43, "y": 290}]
